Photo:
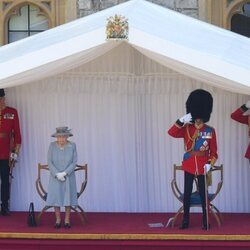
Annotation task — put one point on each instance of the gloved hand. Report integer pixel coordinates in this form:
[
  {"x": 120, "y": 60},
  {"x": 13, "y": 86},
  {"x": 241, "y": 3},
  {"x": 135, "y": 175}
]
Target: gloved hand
[
  {"x": 62, "y": 179},
  {"x": 207, "y": 167},
  {"x": 13, "y": 156},
  {"x": 186, "y": 118},
  {"x": 61, "y": 176},
  {"x": 248, "y": 104}
]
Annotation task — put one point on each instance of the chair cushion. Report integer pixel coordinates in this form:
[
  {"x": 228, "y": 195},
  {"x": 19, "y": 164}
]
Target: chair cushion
[{"x": 195, "y": 198}]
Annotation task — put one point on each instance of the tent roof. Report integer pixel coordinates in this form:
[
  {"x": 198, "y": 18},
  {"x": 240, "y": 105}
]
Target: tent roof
[{"x": 184, "y": 44}]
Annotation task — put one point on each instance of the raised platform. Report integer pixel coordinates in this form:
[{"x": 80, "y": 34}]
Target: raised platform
[{"x": 124, "y": 231}]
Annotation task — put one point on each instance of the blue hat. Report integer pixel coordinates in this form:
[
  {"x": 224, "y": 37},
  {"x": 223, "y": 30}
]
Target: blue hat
[{"x": 62, "y": 131}]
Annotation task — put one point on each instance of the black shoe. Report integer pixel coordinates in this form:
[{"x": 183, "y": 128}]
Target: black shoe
[
  {"x": 67, "y": 225},
  {"x": 5, "y": 212},
  {"x": 57, "y": 225},
  {"x": 205, "y": 226},
  {"x": 184, "y": 224}
]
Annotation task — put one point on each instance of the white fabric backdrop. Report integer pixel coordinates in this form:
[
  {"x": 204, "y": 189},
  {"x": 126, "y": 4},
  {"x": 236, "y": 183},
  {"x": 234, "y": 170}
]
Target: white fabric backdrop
[{"x": 119, "y": 107}]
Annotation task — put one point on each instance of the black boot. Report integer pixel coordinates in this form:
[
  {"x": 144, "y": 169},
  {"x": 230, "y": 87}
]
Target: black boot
[
  {"x": 5, "y": 210},
  {"x": 205, "y": 226},
  {"x": 184, "y": 224}
]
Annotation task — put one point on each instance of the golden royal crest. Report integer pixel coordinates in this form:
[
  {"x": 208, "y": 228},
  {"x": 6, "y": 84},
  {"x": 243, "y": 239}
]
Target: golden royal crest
[{"x": 117, "y": 28}]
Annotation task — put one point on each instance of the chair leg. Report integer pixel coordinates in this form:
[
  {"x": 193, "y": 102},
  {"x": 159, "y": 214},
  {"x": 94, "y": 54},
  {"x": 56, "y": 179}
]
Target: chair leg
[
  {"x": 215, "y": 214},
  {"x": 81, "y": 214},
  {"x": 176, "y": 215},
  {"x": 76, "y": 209},
  {"x": 40, "y": 214},
  {"x": 217, "y": 211}
]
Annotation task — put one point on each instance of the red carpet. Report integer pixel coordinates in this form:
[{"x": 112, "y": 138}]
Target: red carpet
[{"x": 124, "y": 231}]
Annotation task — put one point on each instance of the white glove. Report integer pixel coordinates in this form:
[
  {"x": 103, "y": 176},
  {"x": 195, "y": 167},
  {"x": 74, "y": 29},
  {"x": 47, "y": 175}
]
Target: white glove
[
  {"x": 207, "y": 167},
  {"x": 13, "y": 156},
  {"x": 61, "y": 176},
  {"x": 62, "y": 179},
  {"x": 186, "y": 118},
  {"x": 248, "y": 104}
]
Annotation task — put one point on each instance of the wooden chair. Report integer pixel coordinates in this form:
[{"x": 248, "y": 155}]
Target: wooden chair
[
  {"x": 43, "y": 193},
  {"x": 195, "y": 200}
]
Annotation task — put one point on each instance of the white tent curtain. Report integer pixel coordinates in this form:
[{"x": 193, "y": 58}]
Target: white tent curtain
[{"x": 120, "y": 107}]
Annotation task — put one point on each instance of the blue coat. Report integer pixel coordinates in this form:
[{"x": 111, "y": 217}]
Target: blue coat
[{"x": 62, "y": 160}]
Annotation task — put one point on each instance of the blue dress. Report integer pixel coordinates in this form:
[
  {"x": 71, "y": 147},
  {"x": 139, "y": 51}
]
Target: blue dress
[{"x": 62, "y": 160}]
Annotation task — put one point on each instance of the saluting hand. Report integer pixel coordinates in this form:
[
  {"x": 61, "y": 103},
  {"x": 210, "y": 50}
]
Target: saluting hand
[
  {"x": 248, "y": 104},
  {"x": 186, "y": 118}
]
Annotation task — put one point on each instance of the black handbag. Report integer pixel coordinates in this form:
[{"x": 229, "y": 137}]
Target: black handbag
[{"x": 31, "y": 216}]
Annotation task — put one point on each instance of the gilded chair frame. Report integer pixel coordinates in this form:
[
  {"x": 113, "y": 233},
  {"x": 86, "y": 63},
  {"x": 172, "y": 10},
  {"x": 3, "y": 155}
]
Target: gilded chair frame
[
  {"x": 211, "y": 196},
  {"x": 43, "y": 193}
]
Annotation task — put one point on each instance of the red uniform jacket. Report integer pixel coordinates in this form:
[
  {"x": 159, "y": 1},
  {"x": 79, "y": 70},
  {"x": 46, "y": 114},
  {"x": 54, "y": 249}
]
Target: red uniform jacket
[
  {"x": 10, "y": 135},
  {"x": 200, "y": 146},
  {"x": 238, "y": 116}
]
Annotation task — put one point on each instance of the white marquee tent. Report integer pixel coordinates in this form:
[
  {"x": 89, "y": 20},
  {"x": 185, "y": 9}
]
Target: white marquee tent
[
  {"x": 120, "y": 97},
  {"x": 184, "y": 44}
]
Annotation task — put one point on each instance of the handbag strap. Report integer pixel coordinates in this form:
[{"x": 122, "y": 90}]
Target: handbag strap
[{"x": 31, "y": 208}]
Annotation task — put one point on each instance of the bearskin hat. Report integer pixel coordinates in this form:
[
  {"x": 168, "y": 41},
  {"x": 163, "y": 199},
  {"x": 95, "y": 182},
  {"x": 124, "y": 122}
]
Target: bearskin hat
[{"x": 200, "y": 105}]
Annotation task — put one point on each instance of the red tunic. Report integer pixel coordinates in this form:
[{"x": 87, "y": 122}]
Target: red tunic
[
  {"x": 238, "y": 116},
  {"x": 200, "y": 146},
  {"x": 10, "y": 135}
]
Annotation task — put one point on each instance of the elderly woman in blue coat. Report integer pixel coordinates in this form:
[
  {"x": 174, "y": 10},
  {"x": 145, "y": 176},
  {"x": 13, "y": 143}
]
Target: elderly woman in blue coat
[{"x": 62, "y": 158}]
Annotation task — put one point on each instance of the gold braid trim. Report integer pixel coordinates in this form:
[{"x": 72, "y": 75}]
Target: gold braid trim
[
  {"x": 17, "y": 148},
  {"x": 212, "y": 161},
  {"x": 193, "y": 138}
]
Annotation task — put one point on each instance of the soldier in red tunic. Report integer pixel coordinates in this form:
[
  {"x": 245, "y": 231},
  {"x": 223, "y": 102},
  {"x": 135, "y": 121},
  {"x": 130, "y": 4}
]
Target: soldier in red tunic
[
  {"x": 10, "y": 141},
  {"x": 200, "y": 148},
  {"x": 242, "y": 115}
]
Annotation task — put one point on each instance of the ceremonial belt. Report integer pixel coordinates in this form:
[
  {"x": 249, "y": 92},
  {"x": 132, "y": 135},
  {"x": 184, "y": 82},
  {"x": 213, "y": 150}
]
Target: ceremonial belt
[
  {"x": 198, "y": 153},
  {"x": 4, "y": 135}
]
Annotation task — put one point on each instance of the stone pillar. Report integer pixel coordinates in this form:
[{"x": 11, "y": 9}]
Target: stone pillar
[{"x": 205, "y": 8}]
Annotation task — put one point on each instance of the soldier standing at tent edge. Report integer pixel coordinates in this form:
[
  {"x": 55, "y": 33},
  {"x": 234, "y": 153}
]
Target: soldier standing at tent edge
[
  {"x": 242, "y": 115},
  {"x": 10, "y": 142},
  {"x": 200, "y": 149}
]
